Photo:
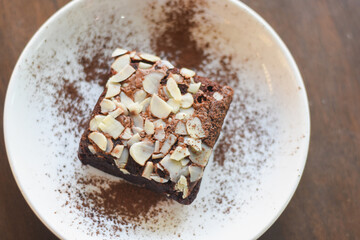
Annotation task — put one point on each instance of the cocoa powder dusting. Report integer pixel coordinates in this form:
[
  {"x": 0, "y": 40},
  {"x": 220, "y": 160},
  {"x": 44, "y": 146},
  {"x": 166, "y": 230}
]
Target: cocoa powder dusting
[
  {"x": 176, "y": 42},
  {"x": 96, "y": 68},
  {"x": 124, "y": 204},
  {"x": 68, "y": 102}
]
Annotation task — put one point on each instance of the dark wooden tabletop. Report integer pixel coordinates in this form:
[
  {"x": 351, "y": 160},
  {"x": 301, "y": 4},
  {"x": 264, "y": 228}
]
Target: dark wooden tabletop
[{"x": 324, "y": 38}]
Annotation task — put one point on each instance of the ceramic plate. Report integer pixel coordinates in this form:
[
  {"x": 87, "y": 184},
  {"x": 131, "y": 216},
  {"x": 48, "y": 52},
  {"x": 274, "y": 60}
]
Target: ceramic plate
[{"x": 257, "y": 162}]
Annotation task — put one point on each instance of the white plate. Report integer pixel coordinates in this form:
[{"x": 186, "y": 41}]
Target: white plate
[{"x": 268, "y": 120}]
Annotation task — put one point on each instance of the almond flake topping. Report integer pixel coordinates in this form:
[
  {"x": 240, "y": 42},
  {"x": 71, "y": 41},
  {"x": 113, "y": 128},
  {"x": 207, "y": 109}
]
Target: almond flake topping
[
  {"x": 159, "y": 108},
  {"x": 149, "y": 57},
  {"x": 187, "y": 100},
  {"x": 113, "y": 89},
  {"x": 182, "y": 186},
  {"x": 196, "y": 173},
  {"x": 173, "y": 89},
  {"x": 118, "y": 52},
  {"x": 143, "y": 65},
  {"x": 107, "y": 105},
  {"x": 141, "y": 152},
  {"x": 201, "y": 158},
  {"x": 111, "y": 126},
  {"x": 117, "y": 151},
  {"x": 151, "y": 82},
  {"x": 94, "y": 123},
  {"x": 148, "y": 170},
  {"x": 218, "y": 96},
  {"x": 123, "y": 74},
  {"x": 187, "y": 72},
  {"x": 99, "y": 139},
  {"x": 194, "y": 128},
  {"x": 121, "y": 62},
  {"x": 194, "y": 87},
  {"x": 180, "y": 153}
]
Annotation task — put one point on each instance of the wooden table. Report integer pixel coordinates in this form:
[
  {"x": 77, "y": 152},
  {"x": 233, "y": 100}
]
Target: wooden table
[{"x": 323, "y": 36}]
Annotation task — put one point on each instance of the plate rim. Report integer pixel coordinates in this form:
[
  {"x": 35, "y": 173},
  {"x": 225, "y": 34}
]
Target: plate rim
[{"x": 284, "y": 49}]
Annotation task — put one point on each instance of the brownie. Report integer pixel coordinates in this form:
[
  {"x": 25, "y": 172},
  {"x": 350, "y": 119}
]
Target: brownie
[{"x": 155, "y": 125}]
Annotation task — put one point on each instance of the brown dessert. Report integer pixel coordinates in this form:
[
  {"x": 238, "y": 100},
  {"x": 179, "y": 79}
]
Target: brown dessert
[{"x": 155, "y": 125}]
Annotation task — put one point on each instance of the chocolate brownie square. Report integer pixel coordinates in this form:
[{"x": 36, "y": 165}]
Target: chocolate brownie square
[{"x": 155, "y": 125}]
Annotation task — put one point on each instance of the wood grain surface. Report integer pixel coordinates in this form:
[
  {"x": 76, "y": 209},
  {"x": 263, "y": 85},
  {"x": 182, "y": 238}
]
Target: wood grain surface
[{"x": 323, "y": 36}]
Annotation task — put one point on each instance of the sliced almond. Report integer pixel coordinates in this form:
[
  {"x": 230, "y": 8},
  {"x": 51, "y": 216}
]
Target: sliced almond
[
  {"x": 123, "y": 74},
  {"x": 148, "y": 170},
  {"x": 159, "y": 123},
  {"x": 134, "y": 139},
  {"x": 92, "y": 149},
  {"x": 134, "y": 56},
  {"x": 139, "y": 95},
  {"x": 187, "y": 100},
  {"x": 143, "y": 65},
  {"x": 117, "y": 151},
  {"x": 194, "y": 128},
  {"x": 157, "y": 155},
  {"x": 179, "y": 153},
  {"x": 159, "y": 108},
  {"x": 172, "y": 167},
  {"x": 111, "y": 126},
  {"x": 159, "y": 133},
  {"x": 122, "y": 106},
  {"x": 174, "y": 104},
  {"x": 127, "y": 134},
  {"x": 138, "y": 121},
  {"x": 157, "y": 146},
  {"x": 167, "y": 64},
  {"x": 184, "y": 161},
  {"x": 187, "y": 72},
  {"x": 120, "y": 62},
  {"x": 109, "y": 145},
  {"x": 182, "y": 186},
  {"x": 169, "y": 142},
  {"x": 137, "y": 130},
  {"x": 149, "y": 127},
  {"x": 99, "y": 139},
  {"x": 117, "y": 112},
  {"x": 158, "y": 166},
  {"x": 178, "y": 78},
  {"x": 180, "y": 128},
  {"x": 124, "y": 171},
  {"x": 128, "y": 102},
  {"x": 151, "y": 82},
  {"x": 194, "y": 87},
  {"x": 158, "y": 179},
  {"x": 194, "y": 143},
  {"x": 94, "y": 123},
  {"x": 107, "y": 105},
  {"x": 196, "y": 173},
  {"x": 184, "y": 113},
  {"x": 218, "y": 96},
  {"x": 145, "y": 104},
  {"x": 164, "y": 92},
  {"x": 173, "y": 89},
  {"x": 135, "y": 108},
  {"x": 184, "y": 171},
  {"x": 141, "y": 152},
  {"x": 149, "y": 57},
  {"x": 118, "y": 52},
  {"x": 201, "y": 158},
  {"x": 113, "y": 89},
  {"x": 122, "y": 161}
]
